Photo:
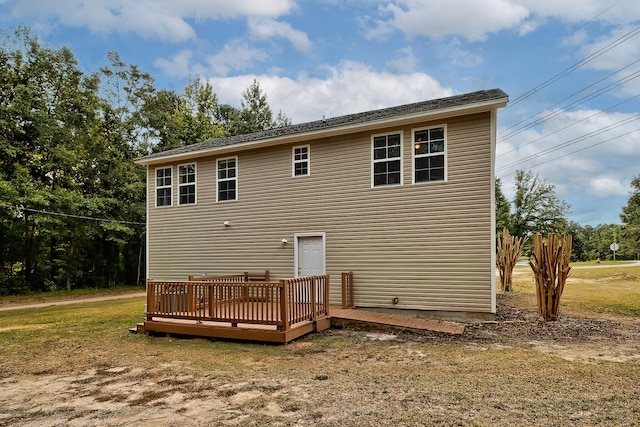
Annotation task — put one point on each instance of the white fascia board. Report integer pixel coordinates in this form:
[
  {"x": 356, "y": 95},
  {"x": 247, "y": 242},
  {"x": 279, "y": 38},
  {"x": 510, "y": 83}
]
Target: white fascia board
[{"x": 332, "y": 131}]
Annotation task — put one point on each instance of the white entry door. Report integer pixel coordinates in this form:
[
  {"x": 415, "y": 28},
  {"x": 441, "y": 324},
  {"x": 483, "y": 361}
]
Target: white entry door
[{"x": 310, "y": 255}]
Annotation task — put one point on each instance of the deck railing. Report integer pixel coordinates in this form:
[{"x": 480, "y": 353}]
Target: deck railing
[
  {"x": 347, "y": 290},
  {"x": 282, "y": 303}
]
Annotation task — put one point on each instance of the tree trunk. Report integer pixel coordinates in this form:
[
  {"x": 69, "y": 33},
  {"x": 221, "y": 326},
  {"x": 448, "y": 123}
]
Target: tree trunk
[{"x": 550, "y": 265}]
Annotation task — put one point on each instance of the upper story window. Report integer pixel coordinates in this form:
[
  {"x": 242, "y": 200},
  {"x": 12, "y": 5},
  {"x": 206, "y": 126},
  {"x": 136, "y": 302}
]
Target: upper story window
[
  {"x": 301, "y": 161},
  {"x": 187, "y": 184},
  {"x": 164, "y": 188},
  {"x": 387, "y": 159},
  {"x": 429, "y": 154},
  {"x": 227, "y": 179}
]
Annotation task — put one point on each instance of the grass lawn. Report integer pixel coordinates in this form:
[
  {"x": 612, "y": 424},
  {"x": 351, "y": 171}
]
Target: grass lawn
[{"x": 79, "y": 365}]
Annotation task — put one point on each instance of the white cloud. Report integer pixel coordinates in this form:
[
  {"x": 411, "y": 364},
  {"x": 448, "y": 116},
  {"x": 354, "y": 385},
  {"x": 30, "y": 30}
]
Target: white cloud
[
  {"x": 470, "y": 19},
  {"x": 234, "y": 56},
  {"x": 177, "y": 66},
  {"x": 583, "y": 10},
  {"x": 624, "y": 49},
  {"x": 605, "y": 187},
  {"x": 474, "y": 20},
  {"x": 348, "y": 88},
  {"x": 591, "y": 172},
  {"x": 269, "y": 28},
  {"x": 404, "y": 62},
  {"x": 160, "y": 19}
]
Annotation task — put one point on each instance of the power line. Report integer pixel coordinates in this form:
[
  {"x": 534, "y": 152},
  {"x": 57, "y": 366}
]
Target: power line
[
  {"x": 20, "y": 208},
  {"x": 575, "y": 66},
  {"x": 575, "y": 151},
  {"x": 591, "y": 96},
  {"x": 568, "y": 126},
  {"x": 570, "y": 142}
]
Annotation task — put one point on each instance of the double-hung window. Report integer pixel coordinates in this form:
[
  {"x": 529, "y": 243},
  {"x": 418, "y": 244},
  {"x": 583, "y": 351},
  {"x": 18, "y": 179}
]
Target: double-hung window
[
  {"x": 163, "y": 187},
  {"x": 227, "y": 179},
  {"x": 429, "y": 154},
  {"x": 301, "y": 166},
  {"x": 387, "y": 159},
  {"x": 187, "y": 184}
]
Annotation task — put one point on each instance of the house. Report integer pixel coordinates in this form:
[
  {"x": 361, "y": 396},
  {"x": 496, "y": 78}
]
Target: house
[{"x": 401, "y": 196}]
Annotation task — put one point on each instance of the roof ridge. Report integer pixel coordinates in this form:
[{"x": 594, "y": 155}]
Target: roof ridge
[{"x": 361, "y": 117}]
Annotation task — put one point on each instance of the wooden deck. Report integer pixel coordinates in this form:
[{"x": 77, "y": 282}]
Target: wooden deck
[{"x": 229, "y": 307}]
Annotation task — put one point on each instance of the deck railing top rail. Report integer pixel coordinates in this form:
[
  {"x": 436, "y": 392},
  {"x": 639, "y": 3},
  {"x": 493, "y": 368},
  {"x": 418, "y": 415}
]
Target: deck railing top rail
[{"x": 233, "y": 299}]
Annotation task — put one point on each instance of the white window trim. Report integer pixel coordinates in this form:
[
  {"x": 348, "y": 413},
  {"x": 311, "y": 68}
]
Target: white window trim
[
  {"x": 294, "y": 161},
  {"x": 401, "y": 133},
  {"x": 413, "y": 155},
  {"x": 170, "y": 186},
  {"x": 227, "y": 179},
  {"x": 195, "y": 183}
]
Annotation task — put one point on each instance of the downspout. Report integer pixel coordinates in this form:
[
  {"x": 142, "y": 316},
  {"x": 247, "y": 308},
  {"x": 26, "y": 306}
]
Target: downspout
[
  {"x": 494, "y": 114},
  {"x": 146, "y": 238}
]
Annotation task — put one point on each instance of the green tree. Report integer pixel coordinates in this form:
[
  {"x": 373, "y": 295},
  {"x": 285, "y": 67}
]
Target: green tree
[
  {"x": 255, "y": 112},
  {"x": 537, "y": 209},
  {"x": 630, "y": 217},
  {"x": 67, "y": 145}
]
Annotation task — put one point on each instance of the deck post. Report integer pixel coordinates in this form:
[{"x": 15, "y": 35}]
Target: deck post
[
  {"x": 284, "y": 304},
  {"x": 326, "y": 294},
  {"x": 314, "y": 282},
  {"x": 151, "y": 305}
]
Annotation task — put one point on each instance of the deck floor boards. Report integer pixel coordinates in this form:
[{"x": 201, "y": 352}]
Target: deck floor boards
[{"x": 271, "y": 332}]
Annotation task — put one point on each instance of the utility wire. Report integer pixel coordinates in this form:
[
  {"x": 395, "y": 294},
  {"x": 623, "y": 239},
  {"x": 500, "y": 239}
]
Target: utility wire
[
  {"x": 572, "y": 95},
  {"x": 589, "y": 97},
  {"x": 20, "y": 208},
  {"x": 576, "y": 66},
  {"x": 568, "y": 126},
  {"x": 570, "y": 142},
  {"x": 573, "y": 152}
]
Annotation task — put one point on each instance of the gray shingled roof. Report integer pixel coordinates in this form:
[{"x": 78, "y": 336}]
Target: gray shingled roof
[{"x": 401, "y": 110}]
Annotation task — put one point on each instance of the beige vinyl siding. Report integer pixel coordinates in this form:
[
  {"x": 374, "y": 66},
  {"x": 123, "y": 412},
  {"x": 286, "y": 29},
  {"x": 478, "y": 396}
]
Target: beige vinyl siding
[{"x": 428, "y": 244}]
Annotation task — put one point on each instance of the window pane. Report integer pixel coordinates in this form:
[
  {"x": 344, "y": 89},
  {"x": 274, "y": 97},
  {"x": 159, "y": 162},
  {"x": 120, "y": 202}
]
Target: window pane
[
  {"x": 394, "y": 151},
  {"x": 380, "y": 167},
  {"x": 394, "y": 139},
  {"x": 394, "y": 178},
  {"x": 437, "y": 162},
  {"x": 422, "y": 163},
  {"x": 422, "y": 175},
  {"x": 437, "y": 133},
  {"x": 380, "y": 180},
  {"x": 421, "y": 135},
  {"x": 301, "y": 169},
  {"x": 394, "y": 166},
  {"x": 437, "y": 146},
  {"x": 163, "y": 197},
  {"x": 437, "y": 174},
  {"x": 380, "y": 141},
  {"x": 380, "y": 153},
  {"x": 421, "y": 148}
]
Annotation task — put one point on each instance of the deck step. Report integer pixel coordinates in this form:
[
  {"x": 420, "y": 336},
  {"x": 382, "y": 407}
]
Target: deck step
[{"x": 138, "y": 328}]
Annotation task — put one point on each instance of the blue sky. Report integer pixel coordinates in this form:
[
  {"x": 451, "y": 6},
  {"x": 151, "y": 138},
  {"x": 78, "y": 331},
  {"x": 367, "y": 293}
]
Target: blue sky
[{"x": 571, "y": 67}]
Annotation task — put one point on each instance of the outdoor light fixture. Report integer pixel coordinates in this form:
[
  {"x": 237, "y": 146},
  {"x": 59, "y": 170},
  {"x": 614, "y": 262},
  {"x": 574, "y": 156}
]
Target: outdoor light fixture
[
  {"x": 226, "y": 223},
  {"x": 284, "y": 241}
]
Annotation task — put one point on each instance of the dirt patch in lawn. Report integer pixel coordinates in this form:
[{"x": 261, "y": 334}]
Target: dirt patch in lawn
[{"x": 516, "y": 370}]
